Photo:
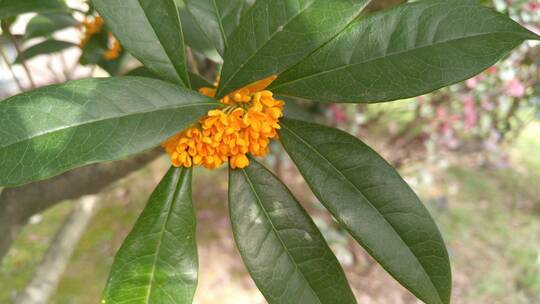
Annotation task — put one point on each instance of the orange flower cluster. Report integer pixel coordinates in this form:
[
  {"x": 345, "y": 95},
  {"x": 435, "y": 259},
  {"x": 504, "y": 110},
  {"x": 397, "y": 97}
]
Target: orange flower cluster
[
  {"x": 94, "y": 25},
  {"x": 245, "y": 124},
  {"x": 114, "y": 48},
  {"x": 90, "y": 27}
]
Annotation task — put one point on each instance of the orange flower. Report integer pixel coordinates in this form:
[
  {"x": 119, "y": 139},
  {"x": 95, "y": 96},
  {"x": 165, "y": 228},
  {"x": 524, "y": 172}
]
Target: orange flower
[
  {"x": 114, "y": 50},
  {"x": 94, "y": 25},
  {"x": 245, "y": 124},
  {"x": 90, "y": 27}
]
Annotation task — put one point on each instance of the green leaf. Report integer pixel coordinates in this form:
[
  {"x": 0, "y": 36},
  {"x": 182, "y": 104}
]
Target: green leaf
[
  {"x": 142, "y": 72},
  {"x": 151, "y": 31},
  {"x": 10, "y": 8},
  {"x": 53, "y": 129},
  {"x": 282, "y": 248},
  {"x": 47, "y": 23},
  {"x": 158, "y": 261},
  {"x": 44, "y": 48},
  {"x": 197, "y": 81},
  {"x": 369, "y": 198},
  {"x": 217, "y": 18},
  {"x": 274, "y": 35},
  {"x": 404, "y": 52},
  {"x": 193, "y": 35}
]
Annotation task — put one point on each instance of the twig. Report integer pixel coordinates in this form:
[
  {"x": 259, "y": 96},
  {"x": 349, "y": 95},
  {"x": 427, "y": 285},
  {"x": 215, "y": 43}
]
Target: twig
[
  {"x": 10, "y": 67},
  {"x": 23, "y": 61},
  {"x": 51, "y": 69}
]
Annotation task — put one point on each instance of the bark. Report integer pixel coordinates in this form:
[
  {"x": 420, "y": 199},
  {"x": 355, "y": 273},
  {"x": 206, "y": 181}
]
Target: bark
[
  {"x": 47, "y": 275},
  {"x": 17, "y": 205}
]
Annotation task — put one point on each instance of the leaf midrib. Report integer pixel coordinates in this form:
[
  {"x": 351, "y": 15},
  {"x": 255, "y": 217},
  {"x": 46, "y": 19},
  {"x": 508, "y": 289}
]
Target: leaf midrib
[
  {"x": 259, "y": 202},
  {"x": 220, "y": 23},
  {"x": 388, "y": 55},
  {"x": 162, "y": 233},
  {"x": 248, "y": 60},
  {"x": 187, "y": 85},
  {"x": 367, "y": 200},
  {"x": 89, "y": 122}
]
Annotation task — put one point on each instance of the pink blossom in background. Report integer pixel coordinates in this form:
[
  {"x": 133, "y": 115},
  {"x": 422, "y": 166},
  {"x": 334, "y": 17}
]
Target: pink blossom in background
[
  {"x": 338, "y": 115},
  {"x": 471, "y": 83},
  {"x": 487, "y": 105},
  {"x": 469, "y": 112},
  {"x": 449, "y": 141},
  {"x": 446, "y": 134},
  {"x": 492, "y": 70},
  {"x": 515, "y": 88},
  {"x": 442, "y": 113},
  {"x": 445, "y": 123},
  {"x": 534, "y": 6}
]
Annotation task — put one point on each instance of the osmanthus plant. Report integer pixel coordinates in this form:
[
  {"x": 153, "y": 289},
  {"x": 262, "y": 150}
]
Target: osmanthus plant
[{"x": 318, "y": 50}]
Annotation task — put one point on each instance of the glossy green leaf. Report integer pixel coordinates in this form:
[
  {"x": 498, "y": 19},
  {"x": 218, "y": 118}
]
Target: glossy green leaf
[
  {"x": 10, "y": 8},
  {"x": 44, "y": 48},
  {"x": 47, "y": 23},
  {"x": 53, "y": 129},
  {"x": 217, "y": 18},
  {"x": 369, "y": 198},
  {"x": 274, "y": 35},
  {"x": 158, "y": 261},
  {"x": 197, "y": 81},
  {"x": 142, "y": 72},
  {"x": 194, "y": 36},
  {"x": 151, "y": 31},
  {"x": 404, "y": 52},
  {"x": 282, "y": 248}
]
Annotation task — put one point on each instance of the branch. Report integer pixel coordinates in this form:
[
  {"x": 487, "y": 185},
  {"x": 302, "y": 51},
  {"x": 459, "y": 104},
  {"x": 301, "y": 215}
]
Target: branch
[
  {"x": 17, "y": 205},
  {"x": 20, "y": 54},
  {"x": 10, "y": 67}
]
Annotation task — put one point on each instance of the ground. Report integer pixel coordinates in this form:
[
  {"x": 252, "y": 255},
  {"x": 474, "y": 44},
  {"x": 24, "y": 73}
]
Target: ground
[{"x": 488, "y": 215}]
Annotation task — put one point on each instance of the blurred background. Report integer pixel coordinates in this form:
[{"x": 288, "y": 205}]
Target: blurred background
[{"x": 471, "y": 151}]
